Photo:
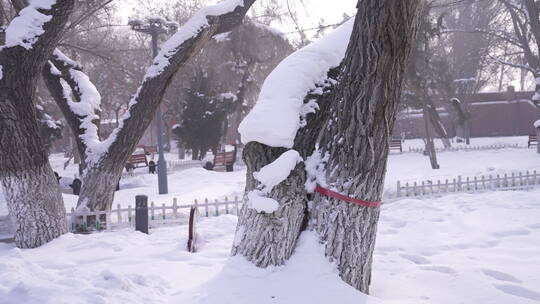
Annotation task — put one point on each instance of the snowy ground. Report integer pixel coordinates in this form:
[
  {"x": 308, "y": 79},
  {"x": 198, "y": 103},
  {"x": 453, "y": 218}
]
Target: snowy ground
[
  {"x": 480, "y": 248},
  {"x": 463, "y": 248}
]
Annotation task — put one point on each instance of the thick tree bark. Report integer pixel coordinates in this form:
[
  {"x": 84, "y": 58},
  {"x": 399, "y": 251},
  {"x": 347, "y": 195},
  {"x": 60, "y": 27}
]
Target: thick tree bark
[
  {"x": 359, "y": 130},
  {"x": 27, "y": 179},
  {"x": 362, "y": 107},
  {"x": 269, "y": 239}
]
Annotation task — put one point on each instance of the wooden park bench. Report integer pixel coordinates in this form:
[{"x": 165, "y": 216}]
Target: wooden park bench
[
  {"x": 225, "y": 159},
  {"x": 150, "y": 150},
  {"x": 137, "y": 159},
  {"x": 396, "y": 145},
  {"x": 533, "y": 140}
]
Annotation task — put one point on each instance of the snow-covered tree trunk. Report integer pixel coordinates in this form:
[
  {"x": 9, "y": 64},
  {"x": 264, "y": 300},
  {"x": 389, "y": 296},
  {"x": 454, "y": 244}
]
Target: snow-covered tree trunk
[
  {"x": 34, "y": 201},
  {"x": 105, "y": 160},
  {"x": 27, "y": 179},
  {"x": 100, "y": 183},
  {"x": 270, "y": 238},
  {"x": 358, "y": 133}
]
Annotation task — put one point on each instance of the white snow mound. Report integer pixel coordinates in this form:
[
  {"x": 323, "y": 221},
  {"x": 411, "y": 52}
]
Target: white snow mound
[
  {"x": 307, "y": 278},
  {"x": 278, "y": 170},
  {"x": 275, "y": 119}
]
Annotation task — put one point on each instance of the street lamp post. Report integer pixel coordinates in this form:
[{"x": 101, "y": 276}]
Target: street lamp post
[{"x": 155, "y": 27}]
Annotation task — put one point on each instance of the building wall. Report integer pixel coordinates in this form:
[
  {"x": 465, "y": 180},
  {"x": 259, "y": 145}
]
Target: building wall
[{"x": 488, "y": 117}]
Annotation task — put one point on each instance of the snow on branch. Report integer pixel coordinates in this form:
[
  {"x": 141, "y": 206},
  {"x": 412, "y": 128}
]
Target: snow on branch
[
  {"x": 25, "y": 29},
  {"x": 86, "y": 104},
  {"x": 276, "y": 117},
  {"x": 189, "y": 30},
  {"x": 205, "y": 24},
  {"x": 511, "y": 64}
]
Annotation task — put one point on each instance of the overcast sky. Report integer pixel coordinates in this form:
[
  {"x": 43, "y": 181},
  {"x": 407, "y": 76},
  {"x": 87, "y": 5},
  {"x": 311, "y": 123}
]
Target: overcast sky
[{"x": 309, "y": 14}]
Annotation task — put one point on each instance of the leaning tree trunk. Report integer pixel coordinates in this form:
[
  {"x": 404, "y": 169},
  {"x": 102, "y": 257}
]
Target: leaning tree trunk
[
  {"x": 103, "y": 174},
  {"x": 430, "y": 145},
  {"x": 359, "y": 131},
  {"x": 30, "y": 187},
  {"x": 437, "y": 124}
]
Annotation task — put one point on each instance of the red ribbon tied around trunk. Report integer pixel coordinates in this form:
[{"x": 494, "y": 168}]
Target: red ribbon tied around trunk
[{"x": 345, "y": 198}]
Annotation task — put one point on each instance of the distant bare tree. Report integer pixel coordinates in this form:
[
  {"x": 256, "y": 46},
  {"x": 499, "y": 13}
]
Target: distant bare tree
[{"x": 525, "y": 18}]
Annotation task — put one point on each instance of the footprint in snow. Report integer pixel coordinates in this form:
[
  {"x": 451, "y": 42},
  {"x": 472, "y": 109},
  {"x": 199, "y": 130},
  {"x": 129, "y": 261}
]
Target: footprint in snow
[
  {"x": 501, "y": 276},
  {"x": 437, "y": 220},
  {"x": 398, "y": 224},
  {"x": 534, "y": 226},
  {"x": 441, "y": 269},
  {"x": 420, "y": 260},
  {"x": 519, "y": 291},
  {"x": 389, "y": 231},
  {"x": 514, "y": 232}
]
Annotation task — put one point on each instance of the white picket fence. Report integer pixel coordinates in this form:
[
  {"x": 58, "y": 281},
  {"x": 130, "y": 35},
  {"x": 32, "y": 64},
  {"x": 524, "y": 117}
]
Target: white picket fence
[
  {"x": 519, "y": 181},
  {"x": 468, "y": 148},
  {"x": 172, "y": 165},
  {"x": 158, "y": 215},
  {"x": 178, "y": 165}
]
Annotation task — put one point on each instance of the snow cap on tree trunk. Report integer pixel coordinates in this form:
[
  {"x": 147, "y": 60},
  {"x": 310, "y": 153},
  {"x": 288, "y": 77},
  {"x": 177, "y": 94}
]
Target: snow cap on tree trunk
[
  {"x": 270, "y": 176},
  {"x": 257, "y": 201},
  {"x": 275, "y": 119},
  {"x": 278, "y": 170},
  {"x": 24, "y": 29}
]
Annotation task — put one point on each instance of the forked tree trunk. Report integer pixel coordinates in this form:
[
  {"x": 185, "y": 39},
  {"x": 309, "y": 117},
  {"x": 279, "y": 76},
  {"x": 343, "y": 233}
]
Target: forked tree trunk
[
  {"x": 99, "y": 186},
  {"x": 357, "y": 137},
  {"x": 102, "y": 175}
]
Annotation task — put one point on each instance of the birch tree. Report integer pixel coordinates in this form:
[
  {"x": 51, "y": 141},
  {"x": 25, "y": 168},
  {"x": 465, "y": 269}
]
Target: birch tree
[{"x": 320, "y": 161}]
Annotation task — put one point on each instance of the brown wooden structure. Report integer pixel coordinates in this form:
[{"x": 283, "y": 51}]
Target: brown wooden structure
[{"x": 492, "y": 114}]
